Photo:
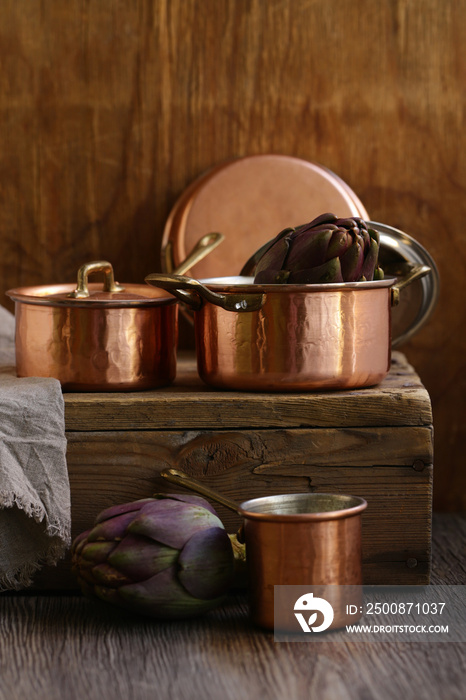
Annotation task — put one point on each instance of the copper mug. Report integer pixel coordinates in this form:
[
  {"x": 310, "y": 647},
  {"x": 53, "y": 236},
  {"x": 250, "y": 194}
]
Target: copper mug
[{"x": 304, "y": 539}]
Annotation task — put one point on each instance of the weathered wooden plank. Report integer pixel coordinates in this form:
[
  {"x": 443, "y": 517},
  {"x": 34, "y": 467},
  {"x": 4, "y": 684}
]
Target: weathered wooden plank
[
  {"x": 399, "y": 400},
  {"x": 398, "y": 497},
  {"x": 126, "y": 465},
  {"x": 449, "y": 547},
  {"x": 272, "y": 451}
]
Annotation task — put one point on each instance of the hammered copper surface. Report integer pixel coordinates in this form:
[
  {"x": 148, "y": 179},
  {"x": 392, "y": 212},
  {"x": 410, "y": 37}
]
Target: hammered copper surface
[
  {"x": 290, "y": 337},
  {"x": 90, "y": 349},
  {"x": 94, "y": 338},
  {"x": 295, "y": 545},
  {"x": 333, "y": 339}
]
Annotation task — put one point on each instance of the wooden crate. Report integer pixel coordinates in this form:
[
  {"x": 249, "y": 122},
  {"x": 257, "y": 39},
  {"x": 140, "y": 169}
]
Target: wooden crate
[{"x": 376, "y": 443}]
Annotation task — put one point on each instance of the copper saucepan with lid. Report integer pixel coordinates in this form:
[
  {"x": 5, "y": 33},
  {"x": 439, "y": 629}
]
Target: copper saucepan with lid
[
  {"x": 283, "y": 337},
  {"x": 100, "y": 337}
]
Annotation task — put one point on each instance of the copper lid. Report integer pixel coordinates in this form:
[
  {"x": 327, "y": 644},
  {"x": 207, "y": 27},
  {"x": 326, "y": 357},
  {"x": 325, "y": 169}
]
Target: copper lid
[
  {"x": 250, "y": 200},
  {"x": 83, "y": 294}
]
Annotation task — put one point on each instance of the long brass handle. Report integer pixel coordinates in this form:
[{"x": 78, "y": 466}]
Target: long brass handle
[
  {"x": 203, "y": 247},
  {"x": 82, "y": 289},
  {"x": 178, "y": 477}
]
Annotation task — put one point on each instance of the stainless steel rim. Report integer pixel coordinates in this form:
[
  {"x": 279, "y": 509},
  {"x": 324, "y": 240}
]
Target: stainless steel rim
[{"x": 409, "y": 250}]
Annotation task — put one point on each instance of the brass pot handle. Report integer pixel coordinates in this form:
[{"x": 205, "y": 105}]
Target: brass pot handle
[
  {"x": 82, "y": 289},
  {"x": 416, "y": 272},
  {"x": 194, "y": 293}
]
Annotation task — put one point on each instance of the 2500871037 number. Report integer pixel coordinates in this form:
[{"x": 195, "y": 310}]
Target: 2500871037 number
[{"x": 404, "y": 608}]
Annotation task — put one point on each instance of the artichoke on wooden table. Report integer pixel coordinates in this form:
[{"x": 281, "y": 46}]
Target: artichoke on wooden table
[{"x": 168, "y": 557}]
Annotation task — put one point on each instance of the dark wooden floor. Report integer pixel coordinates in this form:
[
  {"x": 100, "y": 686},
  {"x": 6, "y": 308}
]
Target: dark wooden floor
[{"x": 66, "y": 648}]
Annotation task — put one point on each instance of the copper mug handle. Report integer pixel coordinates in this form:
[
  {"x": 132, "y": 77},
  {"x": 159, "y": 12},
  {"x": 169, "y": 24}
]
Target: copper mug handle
[
  {"x": 194, "y": 293},
  {"x": 175, "y": 476}
]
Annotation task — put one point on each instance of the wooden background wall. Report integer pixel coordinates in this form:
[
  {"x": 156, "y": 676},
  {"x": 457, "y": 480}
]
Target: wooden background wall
[{"x": 110, "y": 108}]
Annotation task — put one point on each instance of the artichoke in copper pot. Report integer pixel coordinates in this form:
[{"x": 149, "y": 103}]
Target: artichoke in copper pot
[
  {"x": 168, "y": 557},
  {"x": 327, "y": 249}
]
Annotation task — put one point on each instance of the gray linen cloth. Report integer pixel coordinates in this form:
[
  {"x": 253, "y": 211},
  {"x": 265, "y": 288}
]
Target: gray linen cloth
[{"x": 35, "y": 516}]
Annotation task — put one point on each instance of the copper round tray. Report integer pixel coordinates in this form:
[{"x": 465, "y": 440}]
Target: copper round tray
[{"x": 250, "y": 200}]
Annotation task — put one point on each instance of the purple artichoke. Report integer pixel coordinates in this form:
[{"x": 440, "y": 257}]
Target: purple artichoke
[
  {"x": 326, "y": 250},
  {"x": 168, "y": 556}
]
